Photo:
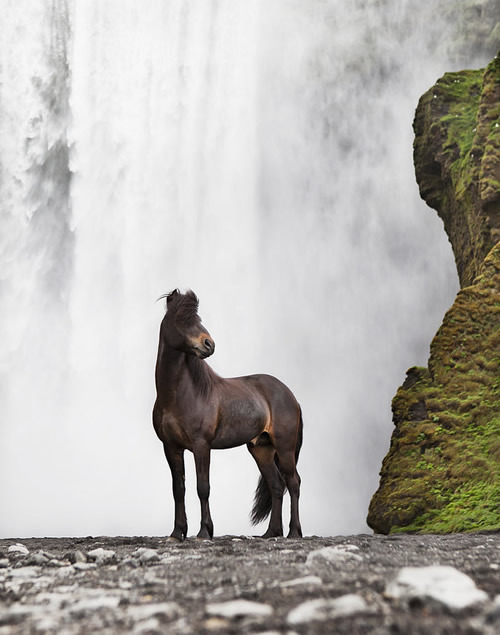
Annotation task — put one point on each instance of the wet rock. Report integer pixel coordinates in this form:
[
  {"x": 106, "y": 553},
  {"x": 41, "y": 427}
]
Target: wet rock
[
  {"x": 238, "y": 608},
  {"x": 442, "y": 584},
  {"x": 327, "y": 609}
]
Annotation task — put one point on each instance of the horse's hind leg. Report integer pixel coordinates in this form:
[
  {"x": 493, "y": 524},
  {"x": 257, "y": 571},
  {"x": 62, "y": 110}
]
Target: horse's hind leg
[
  {"x": 175, "y": 458},
  {"x": 292, "y": 479},
  {"x": 264, "y": 457}
]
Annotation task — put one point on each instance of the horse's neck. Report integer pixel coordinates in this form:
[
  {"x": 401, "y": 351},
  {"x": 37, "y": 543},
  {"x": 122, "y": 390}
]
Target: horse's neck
[{"x": 171, "y": 366}]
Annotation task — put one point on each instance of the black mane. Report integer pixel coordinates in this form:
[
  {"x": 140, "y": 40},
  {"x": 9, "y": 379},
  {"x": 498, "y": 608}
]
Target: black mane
[
  {"x": 204, "y": 378},
  {"x": 182, "y": 306}
]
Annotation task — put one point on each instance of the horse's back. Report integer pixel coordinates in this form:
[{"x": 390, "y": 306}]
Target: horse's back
[{"x": 277, "y": 394}]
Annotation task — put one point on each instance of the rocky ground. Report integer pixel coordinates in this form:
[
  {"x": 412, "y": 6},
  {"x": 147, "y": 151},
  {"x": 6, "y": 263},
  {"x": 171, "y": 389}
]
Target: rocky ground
[{"x": 349, "y": 584}]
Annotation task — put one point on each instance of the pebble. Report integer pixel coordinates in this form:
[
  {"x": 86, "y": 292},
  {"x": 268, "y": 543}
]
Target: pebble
[
  {"x": 443, "y": 584},
  {"x": 38, "y": 559},
  {"x": 76, "y": 556},
  {"x": 145, "y": 555},
  {"x": 18, "y": 548},
  {"x": 239, "y": 608},
  {"x": 129, "y": 562},
  {"x": 94, "y": 604},
  {"x": 311, "y": 580},
  {"x": 493, "y": 613},
  {"x": 333, "y": 555},
  {"x": 84, "y": 566},
  {"x": 148, "y": 626},
  {"x": 24, "y": 572},
  {"x": 325, "y": 609},
  {"x": 166, "y": 610},
  {"x": 4, "y": 563},
  {"x": 215, "y": 624}
]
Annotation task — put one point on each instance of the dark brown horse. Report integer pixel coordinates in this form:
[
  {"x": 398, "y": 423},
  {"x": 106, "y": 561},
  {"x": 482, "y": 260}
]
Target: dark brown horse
[{"x": 197, "y": 410}]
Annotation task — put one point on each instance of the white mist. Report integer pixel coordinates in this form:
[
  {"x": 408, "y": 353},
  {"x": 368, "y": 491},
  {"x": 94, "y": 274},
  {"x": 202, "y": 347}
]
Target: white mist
[{"x": 258, "y": 153}]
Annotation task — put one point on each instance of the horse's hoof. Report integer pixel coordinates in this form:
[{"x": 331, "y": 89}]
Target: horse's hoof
[
  {"x": 173, "y": 538},
  {"x": 272, "y": 534}
]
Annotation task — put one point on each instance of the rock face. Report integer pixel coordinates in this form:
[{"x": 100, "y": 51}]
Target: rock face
[
  {"x": 442, "y": 472},
  {"x": 457, "y": 161}
]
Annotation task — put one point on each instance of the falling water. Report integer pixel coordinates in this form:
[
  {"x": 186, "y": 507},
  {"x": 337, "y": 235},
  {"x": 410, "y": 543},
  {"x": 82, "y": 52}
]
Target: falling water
[{"x": 259, "y": 153}]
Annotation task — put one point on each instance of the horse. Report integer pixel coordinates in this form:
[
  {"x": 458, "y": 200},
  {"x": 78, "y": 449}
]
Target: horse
[{"x": 197, "y": 410}]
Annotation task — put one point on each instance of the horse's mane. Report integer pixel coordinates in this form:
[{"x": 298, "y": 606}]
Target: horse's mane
[
  {"x": 204, "y": 378},
  {"x": 184, "y": 309}
]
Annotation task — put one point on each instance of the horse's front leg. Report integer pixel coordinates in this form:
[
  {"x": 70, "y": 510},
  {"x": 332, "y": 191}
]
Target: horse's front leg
[
  {"x": 175, "y": 458},
  {"x": 202, "y": 462}
]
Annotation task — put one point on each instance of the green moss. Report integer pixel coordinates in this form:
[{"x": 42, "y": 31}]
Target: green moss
[{"x": 442, "y": 471}]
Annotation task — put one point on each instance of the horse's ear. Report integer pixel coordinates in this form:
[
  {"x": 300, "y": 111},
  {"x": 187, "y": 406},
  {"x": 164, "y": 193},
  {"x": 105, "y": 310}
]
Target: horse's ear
[
  {"x": 193, "y": 297},
  {"x": 173, "y": 294}
]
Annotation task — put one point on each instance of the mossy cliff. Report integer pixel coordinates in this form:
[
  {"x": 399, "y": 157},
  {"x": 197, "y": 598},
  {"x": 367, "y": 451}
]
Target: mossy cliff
[{"x": 442, "y": 472}]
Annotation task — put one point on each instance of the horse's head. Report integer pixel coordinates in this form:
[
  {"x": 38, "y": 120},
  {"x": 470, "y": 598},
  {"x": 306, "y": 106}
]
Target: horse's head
[{"x": 181, "y": 327}]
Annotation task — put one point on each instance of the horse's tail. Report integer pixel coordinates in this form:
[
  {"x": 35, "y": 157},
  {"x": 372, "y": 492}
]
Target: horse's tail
[
  {"x": 299, "y": 436},
  {"x": 262, "y": 502}
]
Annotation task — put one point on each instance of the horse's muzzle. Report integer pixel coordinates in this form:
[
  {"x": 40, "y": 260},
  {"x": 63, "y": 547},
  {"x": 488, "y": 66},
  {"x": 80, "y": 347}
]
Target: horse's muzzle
[{"x": 205, "y": 347}]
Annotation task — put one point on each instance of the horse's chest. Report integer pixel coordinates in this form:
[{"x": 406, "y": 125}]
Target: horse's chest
[{"x": 172, "y": 429}]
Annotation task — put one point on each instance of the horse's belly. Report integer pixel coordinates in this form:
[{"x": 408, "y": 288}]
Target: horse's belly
[{"x": 239, "y": 423}]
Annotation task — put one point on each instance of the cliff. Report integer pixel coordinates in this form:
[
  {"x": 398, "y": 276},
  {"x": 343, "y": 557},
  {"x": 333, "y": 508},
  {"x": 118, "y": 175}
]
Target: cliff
[{"x": 442, "y": 471}]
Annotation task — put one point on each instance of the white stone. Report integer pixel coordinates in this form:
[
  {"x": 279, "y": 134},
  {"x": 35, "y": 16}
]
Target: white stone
[
  {"x": 94, "y": 604},
  {"x": 53, "y": 600},
  {"x": 239, "y": 608},
  {"x": 4, "y": 563},
  {"x": 325, "y": 609},
  {"x": 65, "y": 571},
  {"x": 101, "y": 555},
  {"x": 308, "y": 579},
  {"x": 333, "y": 555},
  {"x": 170, "y": 610},
  {"x": 18, "y": 548},
  {"x": 84, "y": 566},
  {"x": 443, "y": 584},
  {"x": 25, "y": 572},
  {"x": 148, "y": 555},
  {"x": 148, "y": 626}
]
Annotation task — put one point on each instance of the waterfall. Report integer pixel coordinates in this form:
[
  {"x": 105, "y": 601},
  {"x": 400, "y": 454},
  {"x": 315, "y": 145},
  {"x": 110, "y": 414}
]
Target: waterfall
[{"x": 259, "y": 153}]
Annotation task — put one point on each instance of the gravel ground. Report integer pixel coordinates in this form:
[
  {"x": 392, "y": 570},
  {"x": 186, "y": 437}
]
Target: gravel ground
[{"x": 347, "y": 584}]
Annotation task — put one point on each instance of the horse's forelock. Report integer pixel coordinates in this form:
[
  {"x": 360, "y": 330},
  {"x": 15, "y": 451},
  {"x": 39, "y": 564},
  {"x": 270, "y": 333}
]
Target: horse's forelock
[{"x": 183, "y": 306}]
